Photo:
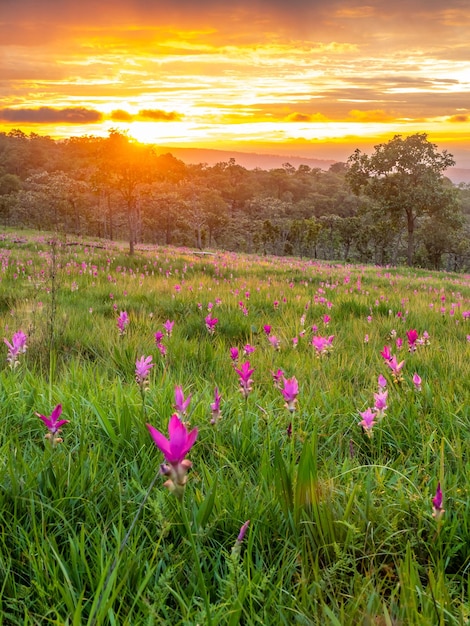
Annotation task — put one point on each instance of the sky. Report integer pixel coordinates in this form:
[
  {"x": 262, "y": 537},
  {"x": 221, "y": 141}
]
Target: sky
[{"x": 315, "y": 78}]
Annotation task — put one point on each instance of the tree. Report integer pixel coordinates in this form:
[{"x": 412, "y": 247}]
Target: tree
[
  {"x": 129, "y": 168},
  {"x": 9, "y": 187},
  {"x": 56, "y": 200},
  {"x": 404, "y": 176}
]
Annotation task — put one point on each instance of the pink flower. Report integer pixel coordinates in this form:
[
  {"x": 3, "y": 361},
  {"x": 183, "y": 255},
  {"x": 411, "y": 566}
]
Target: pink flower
[
  {"x": 158, "y": 336},
  {"x": 290, "y": 392},
  {"x": 244, "y": 374},
  {"x": 211, "y": 323},
  {"x": 122, "y": 322},
  {"x": 412, "y": 336},
  {"x": 234, "y": 354},
  {"x": 396, "y": 368},
  {"x": 242, "y": 533},
  {"x": 215, "y": 407},
  {"x": 175, "y": 448},
  {"x": 277, "y": 378},
  {"x": 368, "y": 421},
  {"x": 162, "y": 349},
  {"x": 168, "y": 326},
  {"x": 181, "y": 404},
  {"x": 16, "y": 347},
  {"x": 267, "y": 329},
  {"x": 274, "y": 341},
  {"x": 386, "y": 353},
  {"x": 417, "y": 381},
  {"x": 53, "y": 424},
  {"x": 236, "y": 549},
  {"x": 437, "y": 510},
  {"x": 326, "y": 319},
  {"x": 248, "y": 349},
  {"x": 322, "y": 345},
  {"x": 382, "y": 382},
  {"x": 142, "y": 370},
  {"x": 380, "y": 403}
]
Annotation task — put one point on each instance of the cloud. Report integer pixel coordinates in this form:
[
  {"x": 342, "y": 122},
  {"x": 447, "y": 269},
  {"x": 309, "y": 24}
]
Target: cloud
[
  {"x": 121, "y": 116},
  {"x": 49, "y": 115},
  {"x": 460, "y": 118},
  {"x": 374, "y": 115},
  {"x": 319, "y": 20},
  {"x": 159, "y": 116},
  {"x": 152, "y": 115},
  {"x": 306, "y": 117}
]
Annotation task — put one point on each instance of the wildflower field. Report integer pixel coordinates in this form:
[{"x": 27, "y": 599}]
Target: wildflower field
[{"x": 221, "y": 439}]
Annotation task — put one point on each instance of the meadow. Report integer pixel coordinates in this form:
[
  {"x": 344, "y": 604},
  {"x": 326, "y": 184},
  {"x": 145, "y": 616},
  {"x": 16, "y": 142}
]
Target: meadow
[{"x": 327, "y": 482}]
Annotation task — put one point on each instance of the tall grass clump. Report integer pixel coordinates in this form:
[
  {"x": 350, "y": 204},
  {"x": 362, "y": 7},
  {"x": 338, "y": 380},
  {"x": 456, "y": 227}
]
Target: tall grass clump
[{"x": 231, "y": 440}]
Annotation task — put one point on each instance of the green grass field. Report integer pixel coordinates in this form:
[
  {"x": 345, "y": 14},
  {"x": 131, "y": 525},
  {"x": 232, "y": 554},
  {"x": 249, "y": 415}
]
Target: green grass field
[{"x": 344, "y": 527}]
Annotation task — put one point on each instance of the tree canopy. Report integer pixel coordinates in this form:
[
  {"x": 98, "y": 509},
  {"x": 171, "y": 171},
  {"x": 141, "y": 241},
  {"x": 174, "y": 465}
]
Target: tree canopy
[
  {"x": 404, "y": 177},
  {"x": 382, "y": 208}
]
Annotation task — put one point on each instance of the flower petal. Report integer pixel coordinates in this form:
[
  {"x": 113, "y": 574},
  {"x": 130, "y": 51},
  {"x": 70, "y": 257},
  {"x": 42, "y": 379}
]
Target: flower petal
[{"x": 160, "y": 441}]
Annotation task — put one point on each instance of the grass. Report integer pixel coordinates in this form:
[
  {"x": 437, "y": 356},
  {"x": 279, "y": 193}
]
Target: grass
[{"x": 341, "y": 526}]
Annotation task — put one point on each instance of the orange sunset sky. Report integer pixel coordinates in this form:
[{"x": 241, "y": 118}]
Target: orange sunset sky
[{"x": 311, "y": 78}]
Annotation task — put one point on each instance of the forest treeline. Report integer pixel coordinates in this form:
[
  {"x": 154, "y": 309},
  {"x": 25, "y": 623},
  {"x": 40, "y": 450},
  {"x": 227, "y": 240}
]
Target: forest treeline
[{"x": 395, "y": 206}]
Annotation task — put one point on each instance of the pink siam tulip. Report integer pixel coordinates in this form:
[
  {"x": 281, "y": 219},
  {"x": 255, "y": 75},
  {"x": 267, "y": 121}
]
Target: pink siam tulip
[
  {"x": 417, "y": 381},
  {"x": 16, "y": 347},
  {"x": 238, "y": 543},
  {"x": 267, "y": 329},
  {"x": 142, "y": 371},
  {"x": 122, "y": 322},
  {"x": 211, "y": 323},
  {"x": 368, "y": 421},
  {"x": 54, "y": 424},
  {"x": 386, "y": 353},
  {"x": 277, "y": 378},
  {"x": 244, "y": 374},
  {"x": 396, "y": 369},
  {"x": 175, "y": 448},
  {"x": 234, "y": 354},
  {"x": 242, "y": 533},
  {"x": 424, "y": 339},
  {"x": 323, "y": 345},
  {"x": 437, "y": 510},
  {"x": 168, "y": 326},
  {"x": 162, "y": 349},
  {"x": 382, "y": 382},
  {"x": 380, "y": 403},
  {"x": 215, "y": 407},
  {"x": 412, "y": 336},
  {"x": 158, "y": 337},
  {"x": 248, "y": 349},
  {"x": 290, "y": 391},
  {"x": 274, "y": 341},
  {"x": 181, "y": 404}
]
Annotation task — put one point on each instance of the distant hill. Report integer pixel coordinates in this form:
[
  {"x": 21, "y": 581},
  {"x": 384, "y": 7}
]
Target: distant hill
[
  {"x": 458, "y": 175},
  {"x": 252, "y": 160}
]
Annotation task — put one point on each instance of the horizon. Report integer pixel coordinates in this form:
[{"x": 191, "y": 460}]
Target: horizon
[{"x": 309, "y": 80}]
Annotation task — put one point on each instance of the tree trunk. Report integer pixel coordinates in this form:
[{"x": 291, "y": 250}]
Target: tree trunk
[
  {"x": 411, "y": 239},
  {"x": 131, "y": 223}
]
